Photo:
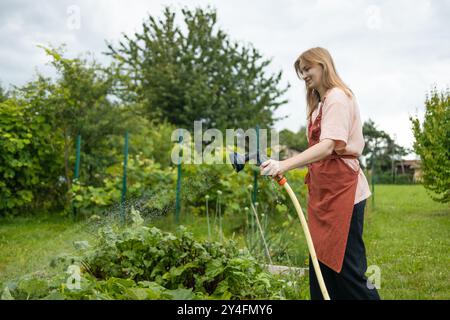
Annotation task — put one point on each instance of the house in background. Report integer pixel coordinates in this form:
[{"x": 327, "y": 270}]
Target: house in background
[
  {"x": 285, "y": 152},
  {"x": 412, "y": 167}
]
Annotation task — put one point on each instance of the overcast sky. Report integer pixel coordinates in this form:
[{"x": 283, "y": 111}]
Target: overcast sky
[{"x": 390, "y": 53}]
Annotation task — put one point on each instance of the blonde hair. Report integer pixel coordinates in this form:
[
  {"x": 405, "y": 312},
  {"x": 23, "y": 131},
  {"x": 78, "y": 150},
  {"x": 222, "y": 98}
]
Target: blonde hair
[{"x": 330, "y": 78}]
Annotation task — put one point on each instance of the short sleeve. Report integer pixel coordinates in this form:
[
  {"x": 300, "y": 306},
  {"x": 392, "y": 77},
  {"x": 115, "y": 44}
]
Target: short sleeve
[{"x": 336, "y": 119}]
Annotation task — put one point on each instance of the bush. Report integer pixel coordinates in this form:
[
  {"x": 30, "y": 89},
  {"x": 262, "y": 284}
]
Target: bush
[
  {"x": 144, "y": 178},
  {"x": 386, "y": 178},
  {"x": 432, "y": 143},
  {"x": 29, "y": 156},
  {"x": 155, "y": 188}
]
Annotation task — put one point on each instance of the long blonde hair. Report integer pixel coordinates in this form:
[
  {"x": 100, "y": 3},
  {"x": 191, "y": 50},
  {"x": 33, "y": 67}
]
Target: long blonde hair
[{"x": 330, "y": 78}]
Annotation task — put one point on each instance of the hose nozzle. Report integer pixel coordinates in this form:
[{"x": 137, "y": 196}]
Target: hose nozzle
[{"x": 238, "y": 161}]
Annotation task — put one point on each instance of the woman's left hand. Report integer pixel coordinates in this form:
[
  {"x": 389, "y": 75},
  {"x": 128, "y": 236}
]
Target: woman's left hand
[{"x": 272, "y": 168}]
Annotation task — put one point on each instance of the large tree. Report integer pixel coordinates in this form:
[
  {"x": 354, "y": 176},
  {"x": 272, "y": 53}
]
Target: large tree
[
  {"x": 294, "y": 140},
  {"x": 75, "y": 103},
  {"x": 380, "y": 149},
  {"x": 195, "y": 72},
  {"x": 432, "y": 143}
]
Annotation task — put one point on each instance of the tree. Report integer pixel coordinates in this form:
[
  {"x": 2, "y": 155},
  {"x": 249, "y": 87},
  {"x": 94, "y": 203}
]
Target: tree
[
  {"x": 380, "y": 149},
  {"x": 3, "y": 94},
  {"x": 432, "y": 144},
  {"x": 77, "y": 102},
  {"x": 40, "y": 121},
  {"x": 197, "y": 74},
  {"x": 294, "y": 140}
]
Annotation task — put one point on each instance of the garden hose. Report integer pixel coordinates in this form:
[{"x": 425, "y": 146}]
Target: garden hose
[{"x": 282, "y": 181}]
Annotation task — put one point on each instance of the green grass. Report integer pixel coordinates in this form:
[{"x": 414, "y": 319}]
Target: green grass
[
  {"x": 406, "y": 236},
  {"x": 27, "y": 245}
]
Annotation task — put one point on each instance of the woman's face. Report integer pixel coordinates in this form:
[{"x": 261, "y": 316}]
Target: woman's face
[{"x": 311, "y": 74}]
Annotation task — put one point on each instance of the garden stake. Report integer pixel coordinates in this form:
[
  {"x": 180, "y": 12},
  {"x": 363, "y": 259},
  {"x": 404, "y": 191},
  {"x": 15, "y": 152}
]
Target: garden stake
[{"x": 262, "y": 233}]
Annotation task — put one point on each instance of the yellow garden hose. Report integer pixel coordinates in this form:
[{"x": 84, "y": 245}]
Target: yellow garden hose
[{"x": 282, "y": 181}]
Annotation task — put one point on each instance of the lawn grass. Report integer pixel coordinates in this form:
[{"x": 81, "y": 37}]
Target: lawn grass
[
  {"x": 28, "y": 245},
  {"x": 406, "y": 236}
]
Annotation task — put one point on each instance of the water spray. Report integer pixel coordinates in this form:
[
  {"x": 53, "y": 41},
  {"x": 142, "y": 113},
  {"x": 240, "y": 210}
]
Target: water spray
[{"x": 238, "y": 162}]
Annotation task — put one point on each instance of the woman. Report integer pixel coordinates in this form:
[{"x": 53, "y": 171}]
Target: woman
[{"x": 337, "y": 187}]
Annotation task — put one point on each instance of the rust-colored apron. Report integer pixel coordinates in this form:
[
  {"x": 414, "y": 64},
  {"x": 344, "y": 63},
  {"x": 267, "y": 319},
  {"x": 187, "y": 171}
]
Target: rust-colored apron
[{"x": 331, "y": 189}]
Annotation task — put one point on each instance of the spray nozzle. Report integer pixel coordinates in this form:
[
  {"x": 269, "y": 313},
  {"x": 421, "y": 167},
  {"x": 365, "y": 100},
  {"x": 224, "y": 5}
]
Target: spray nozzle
[{"x": 238, "y": 161}]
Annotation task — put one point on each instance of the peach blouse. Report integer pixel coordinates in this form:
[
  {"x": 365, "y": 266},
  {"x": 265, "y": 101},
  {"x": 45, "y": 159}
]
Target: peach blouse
[{"x": 341, "y": 122}]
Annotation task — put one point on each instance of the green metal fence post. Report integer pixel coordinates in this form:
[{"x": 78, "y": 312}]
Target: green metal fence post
[
  {"x": 177, "y": 203},
  {"x": 77, "y": 170},
  {"x": 255, "y": 173},
  {"x": 373, "y": 183},
  {"x": 124, "y": 179}
]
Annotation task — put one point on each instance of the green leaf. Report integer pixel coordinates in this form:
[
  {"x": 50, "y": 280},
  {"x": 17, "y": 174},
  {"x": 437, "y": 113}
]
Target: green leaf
[
  {"x": 181, "y": 294},
  {"x": 33, "y": 288}
]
